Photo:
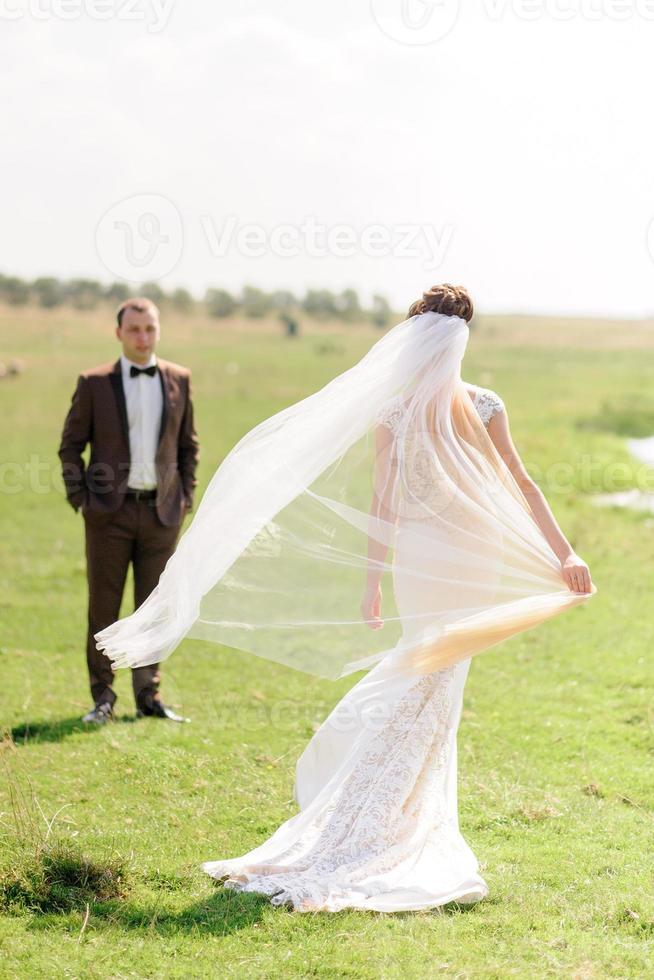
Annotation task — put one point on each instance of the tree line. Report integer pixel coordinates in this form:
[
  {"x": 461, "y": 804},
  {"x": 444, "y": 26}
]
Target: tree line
[{"x": 49, "y": 292}]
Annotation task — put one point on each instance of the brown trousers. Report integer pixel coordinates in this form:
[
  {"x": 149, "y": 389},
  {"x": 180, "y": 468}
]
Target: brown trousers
[{"x": 133, "y": 534}]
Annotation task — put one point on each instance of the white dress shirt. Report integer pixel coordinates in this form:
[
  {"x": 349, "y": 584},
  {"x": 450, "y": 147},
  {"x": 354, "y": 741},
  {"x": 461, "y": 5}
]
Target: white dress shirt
[{"x": 144, "y": 399}]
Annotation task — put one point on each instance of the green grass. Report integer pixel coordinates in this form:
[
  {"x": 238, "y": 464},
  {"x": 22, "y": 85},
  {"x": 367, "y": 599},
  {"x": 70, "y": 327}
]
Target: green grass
[{"x": 99, "y": 857}]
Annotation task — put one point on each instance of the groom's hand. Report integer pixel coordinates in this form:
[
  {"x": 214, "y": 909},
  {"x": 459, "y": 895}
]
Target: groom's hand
[{"x": 76, "y": 500}]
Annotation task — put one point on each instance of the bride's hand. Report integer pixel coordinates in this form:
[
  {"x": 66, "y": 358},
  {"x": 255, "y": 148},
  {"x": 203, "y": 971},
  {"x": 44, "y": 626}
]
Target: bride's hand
[
  {"x": 371, "y": 607},
  {"x": 576, "y": 573}
]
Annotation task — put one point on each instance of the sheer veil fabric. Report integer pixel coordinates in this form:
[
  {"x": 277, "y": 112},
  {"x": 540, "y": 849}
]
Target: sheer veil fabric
[{"x": 275, "y": 559}]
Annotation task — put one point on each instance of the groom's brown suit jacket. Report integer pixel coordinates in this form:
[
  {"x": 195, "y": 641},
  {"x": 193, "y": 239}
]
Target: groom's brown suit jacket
[{"x": 98, "y": 415}]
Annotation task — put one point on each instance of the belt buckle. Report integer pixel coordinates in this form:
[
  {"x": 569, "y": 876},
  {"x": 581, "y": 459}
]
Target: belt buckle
[{"x": 140, "y": 493}]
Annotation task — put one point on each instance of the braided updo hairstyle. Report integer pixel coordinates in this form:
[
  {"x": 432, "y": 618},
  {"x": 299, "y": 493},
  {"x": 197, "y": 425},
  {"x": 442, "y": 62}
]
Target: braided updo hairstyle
[{"x": 447, "y": 299}]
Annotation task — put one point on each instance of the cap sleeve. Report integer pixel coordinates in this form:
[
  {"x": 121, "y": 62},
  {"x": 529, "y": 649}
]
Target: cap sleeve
[
  {"x": 488, "y": 403},
  {"x": 390, "y": 415}
]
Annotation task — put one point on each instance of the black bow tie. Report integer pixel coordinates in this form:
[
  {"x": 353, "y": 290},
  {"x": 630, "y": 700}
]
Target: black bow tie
[{"x": 151, "y": 371}]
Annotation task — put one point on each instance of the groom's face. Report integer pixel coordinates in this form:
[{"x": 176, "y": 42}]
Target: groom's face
[{"x": 139, "y": 334}]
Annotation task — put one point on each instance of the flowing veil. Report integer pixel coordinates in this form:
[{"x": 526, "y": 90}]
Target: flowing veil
[{"x": 275, "y": 559}]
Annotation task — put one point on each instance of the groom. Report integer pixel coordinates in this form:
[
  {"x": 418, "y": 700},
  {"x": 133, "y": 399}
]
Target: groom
[{"x": 137, "y": 415}]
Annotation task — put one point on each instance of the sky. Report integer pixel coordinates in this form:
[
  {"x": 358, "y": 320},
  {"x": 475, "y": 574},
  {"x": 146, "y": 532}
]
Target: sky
[{"x": 381, "y": 145}]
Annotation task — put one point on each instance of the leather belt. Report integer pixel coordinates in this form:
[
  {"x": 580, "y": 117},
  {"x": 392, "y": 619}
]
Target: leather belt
[{"x": 141, "y": 494}]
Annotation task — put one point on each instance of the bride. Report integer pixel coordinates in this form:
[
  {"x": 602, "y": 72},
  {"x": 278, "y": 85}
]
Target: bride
[{"x": 270, "y": 565}]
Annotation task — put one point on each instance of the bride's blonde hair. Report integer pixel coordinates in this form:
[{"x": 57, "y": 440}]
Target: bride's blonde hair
[{"x": 446, "y": 299}]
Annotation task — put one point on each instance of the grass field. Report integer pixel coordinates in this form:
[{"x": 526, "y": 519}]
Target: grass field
[{"x": 556, "y": 744}]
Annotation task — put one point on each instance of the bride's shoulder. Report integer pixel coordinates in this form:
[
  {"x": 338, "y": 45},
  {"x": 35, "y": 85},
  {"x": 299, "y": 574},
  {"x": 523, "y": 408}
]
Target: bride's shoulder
[
  {"x": 487, "y": 402},
  {"x": 391, "y": 412}
]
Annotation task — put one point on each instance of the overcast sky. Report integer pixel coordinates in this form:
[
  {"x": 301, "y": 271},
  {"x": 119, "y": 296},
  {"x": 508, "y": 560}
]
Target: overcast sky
[{"x": 382, "y": 145}]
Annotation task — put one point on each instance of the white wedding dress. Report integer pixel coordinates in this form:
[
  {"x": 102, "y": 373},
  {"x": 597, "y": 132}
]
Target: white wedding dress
[{"x": 376, "y": 786}]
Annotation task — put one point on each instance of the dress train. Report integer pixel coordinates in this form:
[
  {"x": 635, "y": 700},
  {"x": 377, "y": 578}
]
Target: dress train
[{"x": 377, "y": 789}]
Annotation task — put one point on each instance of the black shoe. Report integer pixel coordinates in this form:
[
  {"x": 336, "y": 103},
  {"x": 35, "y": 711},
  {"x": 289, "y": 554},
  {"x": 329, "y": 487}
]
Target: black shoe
[
  {"x": 159, "y": 710},
  {"x": 99, "y": 715}
]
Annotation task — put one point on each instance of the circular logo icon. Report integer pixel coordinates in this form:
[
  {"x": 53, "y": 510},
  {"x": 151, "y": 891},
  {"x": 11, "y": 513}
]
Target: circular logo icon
[
  {"x": 141, "y": 237},
  {"x": 415, "y": 22}
]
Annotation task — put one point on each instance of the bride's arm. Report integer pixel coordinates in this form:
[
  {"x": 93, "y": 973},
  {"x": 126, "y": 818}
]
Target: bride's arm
[
  {"x": 380, "y": 509},
  {"x": 575, "y": 570}
]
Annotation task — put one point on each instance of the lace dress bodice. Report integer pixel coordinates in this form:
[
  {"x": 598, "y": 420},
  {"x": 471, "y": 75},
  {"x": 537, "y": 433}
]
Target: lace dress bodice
[
  {"x": 487, "y": 402},
  {"x": 426, "y": 493}
]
